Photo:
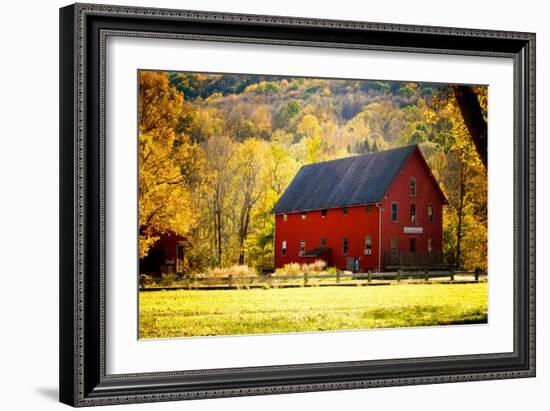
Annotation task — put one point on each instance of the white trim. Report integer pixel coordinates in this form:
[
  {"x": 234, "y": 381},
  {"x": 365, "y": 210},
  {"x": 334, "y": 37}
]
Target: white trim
[
  {"x": 411, "y": 179},
  {"x": 396, "y": 212}
]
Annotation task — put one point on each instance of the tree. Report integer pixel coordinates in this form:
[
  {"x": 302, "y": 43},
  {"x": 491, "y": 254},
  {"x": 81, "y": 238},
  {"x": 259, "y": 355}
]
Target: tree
[
  {"x": 249, "y": 186},
  {"x": 472, "y": 115},
  {"x": 312, "y": 141},
  {"x": 465, "y": 183},
  {"x": 219, "y": 154},
  {"x": 168, "y": 162},
  {"x": 286, "y": 114}
]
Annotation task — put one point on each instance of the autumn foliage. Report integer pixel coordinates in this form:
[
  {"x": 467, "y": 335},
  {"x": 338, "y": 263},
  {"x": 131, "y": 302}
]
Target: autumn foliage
[
  {"x": 217, "y": 151},
  {"x": 168, "y": 162}
]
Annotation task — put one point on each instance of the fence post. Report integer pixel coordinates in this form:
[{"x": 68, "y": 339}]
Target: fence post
[
  {"x": 399, "y": 275},
  {"x": 452, "y": 275},
  {"x": 230, "y": 280},
  {"x": 476, "y": 272},
  {"x": 426, "y": 276},
  {"x": 337, "y": 277},
  {"x": 369, "y": 279},
  {"x": 305, "y": 278}
]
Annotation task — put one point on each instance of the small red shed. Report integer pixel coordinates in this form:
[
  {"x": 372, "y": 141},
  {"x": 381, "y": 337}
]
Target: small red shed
[
  {"x": 166, "y": 256},
  {"x": 375, "y": 211}
]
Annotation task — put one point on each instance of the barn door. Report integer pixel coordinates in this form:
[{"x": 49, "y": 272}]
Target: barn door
[{"x": 412, "y": 246}]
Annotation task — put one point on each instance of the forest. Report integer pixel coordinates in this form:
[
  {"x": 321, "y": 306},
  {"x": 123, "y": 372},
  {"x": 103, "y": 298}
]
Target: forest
[{"x": 216, "y": 151}]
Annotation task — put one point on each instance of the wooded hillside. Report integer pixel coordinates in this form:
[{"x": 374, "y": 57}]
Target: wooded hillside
[{"x": 217, "y": 151}]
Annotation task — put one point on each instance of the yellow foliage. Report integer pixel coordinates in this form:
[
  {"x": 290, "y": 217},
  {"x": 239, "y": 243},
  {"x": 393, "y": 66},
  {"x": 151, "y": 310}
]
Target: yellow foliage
[
  {"x": 465, "y": 183},
  {"x": 212, "y": 168},
  {"x": 167, "y": 162}
]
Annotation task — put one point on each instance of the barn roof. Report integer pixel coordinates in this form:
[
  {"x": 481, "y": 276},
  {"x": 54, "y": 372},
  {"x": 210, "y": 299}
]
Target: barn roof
[{"x": 347, "y": 181}]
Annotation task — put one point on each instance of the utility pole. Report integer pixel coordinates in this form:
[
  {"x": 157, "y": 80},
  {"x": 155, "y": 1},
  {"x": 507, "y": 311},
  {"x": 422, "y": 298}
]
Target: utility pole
[{"x": 380, "y": 209}]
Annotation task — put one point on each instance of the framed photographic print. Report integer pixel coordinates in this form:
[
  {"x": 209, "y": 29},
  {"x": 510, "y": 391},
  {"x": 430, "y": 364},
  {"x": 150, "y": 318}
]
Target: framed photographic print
[{"x": 262, "y": 204}]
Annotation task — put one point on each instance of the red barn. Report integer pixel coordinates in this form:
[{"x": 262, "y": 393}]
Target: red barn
[
  {"x": 374, "y": 211},
  {"x": 166, "y": 256}
]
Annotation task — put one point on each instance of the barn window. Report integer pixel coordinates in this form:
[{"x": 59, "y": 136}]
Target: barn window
[
  {"x": 345, "y": 210},
  {"x": 430, "y": 245},
  {"x": 344, "y": 246},
  {"x": 394, "y": 212},
  {"x": 302, "y": 247},
  {"x": 284, "y": 247},
  {"x": 303, "y": 216},
  {"x": 323, "y": 242},
  {"x": 412, "y": 187},
  {"x": 323, "y": 213},
  {"x": 394, "y": 247},
  {"x": 413, "y": 213},
  {"x": 285, "y": 217},
  {"x": 430, "y": 214},
  {"x": 368, "y": 245}
]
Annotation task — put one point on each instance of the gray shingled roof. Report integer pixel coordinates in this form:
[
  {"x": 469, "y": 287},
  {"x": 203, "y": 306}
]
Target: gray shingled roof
[{"x": 347, "y": 181}]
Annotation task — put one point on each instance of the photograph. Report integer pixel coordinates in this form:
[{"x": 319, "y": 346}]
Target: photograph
[{"x": 283, "y": 204}]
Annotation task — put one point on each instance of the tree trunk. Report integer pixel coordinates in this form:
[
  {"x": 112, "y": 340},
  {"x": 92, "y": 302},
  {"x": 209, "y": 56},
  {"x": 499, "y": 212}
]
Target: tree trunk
[
  {"x": 473, "y": 118},
  {"x": 243, "y": 234},
  {"x": 460, "y": 216},
  {"x": 218, "y": 224}
]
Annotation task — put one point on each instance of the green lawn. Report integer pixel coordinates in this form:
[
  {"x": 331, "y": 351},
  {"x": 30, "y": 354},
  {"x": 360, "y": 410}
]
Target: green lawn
[{"x": 185, "y": 313}]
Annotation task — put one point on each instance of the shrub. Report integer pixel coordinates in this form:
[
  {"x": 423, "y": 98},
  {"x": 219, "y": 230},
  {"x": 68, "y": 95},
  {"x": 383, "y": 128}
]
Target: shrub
[
  {"x": 168, "y": 279},
  {"x": 297, "y": 269},
  {"x": 235, "y": 271},
  {"x": 316, "y": 266},
  {"x": 332, "y": 270},
  {"x": 289, "y": 269},
  {"x": 242, "y": 271},
  {"x": 145, "y": 279},
  {"x": 319, "y": 265}
]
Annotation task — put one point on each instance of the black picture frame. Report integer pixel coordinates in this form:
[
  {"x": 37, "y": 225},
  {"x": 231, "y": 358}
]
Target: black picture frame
[{"x": 83, "y": 29}]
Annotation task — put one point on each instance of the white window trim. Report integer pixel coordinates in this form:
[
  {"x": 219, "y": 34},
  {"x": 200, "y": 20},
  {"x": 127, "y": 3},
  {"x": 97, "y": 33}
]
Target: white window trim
[
  {"x": 396, "y": 212},
  {"x": 368, "y": 244},
  {"x": 304, "y": 247},
  {"x": 411, "y": 179},
  {"x": 433, "y": 213},
  {"x": 415, "y": 221}
]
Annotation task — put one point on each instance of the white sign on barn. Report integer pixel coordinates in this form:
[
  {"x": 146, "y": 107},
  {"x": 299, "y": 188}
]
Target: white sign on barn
[{"x": 413, "y": 230}]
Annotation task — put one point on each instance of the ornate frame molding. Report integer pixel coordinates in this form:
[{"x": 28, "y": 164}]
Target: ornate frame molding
[{"x": 82, "y": 334}]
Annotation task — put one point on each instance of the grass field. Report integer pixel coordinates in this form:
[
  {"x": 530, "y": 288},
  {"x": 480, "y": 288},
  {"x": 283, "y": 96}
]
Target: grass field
[{"x": 186, "y": 313}]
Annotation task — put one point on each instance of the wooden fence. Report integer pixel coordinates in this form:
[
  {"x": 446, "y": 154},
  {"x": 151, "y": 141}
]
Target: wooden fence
[
  {"x": 416, "y": 260},
  {"x": 312, "y": 279}
]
